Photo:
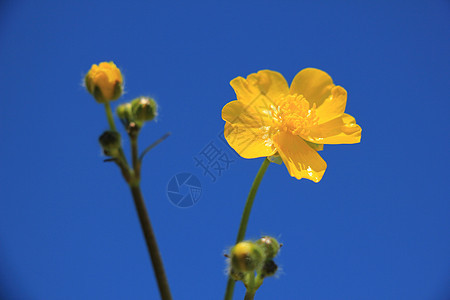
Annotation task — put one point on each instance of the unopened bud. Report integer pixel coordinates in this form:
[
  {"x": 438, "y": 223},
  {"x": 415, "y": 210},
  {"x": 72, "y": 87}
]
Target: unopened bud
[
  {"x": 269, "y": 268},
  {"x": 144, "y": 109},
  {"x": 270, "y": 246},
  {"x": 125, "y": 112},
  {"x": 104, "y": 82},
  {"x": 236, "y": 275},
  {"x": 110, "y": 142},
  {"x": 247, "y": 257}
]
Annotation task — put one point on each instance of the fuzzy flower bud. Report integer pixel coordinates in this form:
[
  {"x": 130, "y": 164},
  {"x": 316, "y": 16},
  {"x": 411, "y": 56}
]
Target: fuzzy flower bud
[
  {"x": 269, "y": 268},
  {"x": 110, "y": 142},
  {"x": 104, "y": 82},
  {"x": 246, "y": 257},
  {"x": 270, "y": 246},
  {"x": 125, "y": 112},
  {"x": 144, "y": 108},
  {"x": 236, "y": 275}
]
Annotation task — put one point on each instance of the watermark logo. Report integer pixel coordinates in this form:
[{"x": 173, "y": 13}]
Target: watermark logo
[
  {"x": 184, "y": 190},
  {"x": 217, "y": 156}
]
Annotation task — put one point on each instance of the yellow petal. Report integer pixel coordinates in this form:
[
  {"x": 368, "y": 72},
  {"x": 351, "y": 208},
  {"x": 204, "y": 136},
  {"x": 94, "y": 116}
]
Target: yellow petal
[
  {"x": 334, "y": 106},
  {"x": 102, "y": 80},
  {"x": 116, "y": 75},
  {"x": 300, "y": 159},
  {"x": 249, "y": 142},
  {"x": 268, "y": 83},
  {"x": 232, "y": 110},
  {"x": 315, "y": 85},
  {"x": 255, "y": 114},
  {"x": 342, "y": 130}
]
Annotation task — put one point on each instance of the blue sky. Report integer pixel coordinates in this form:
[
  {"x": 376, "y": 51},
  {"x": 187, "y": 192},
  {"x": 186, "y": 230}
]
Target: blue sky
[{"x": 376, "y": 227}]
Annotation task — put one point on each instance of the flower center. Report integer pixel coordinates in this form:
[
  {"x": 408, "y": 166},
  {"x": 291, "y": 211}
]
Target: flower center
[{"x": 294, "y": 115}]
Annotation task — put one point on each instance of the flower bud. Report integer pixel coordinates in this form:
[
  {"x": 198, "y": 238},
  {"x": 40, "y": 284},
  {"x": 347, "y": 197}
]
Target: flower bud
[
  {"x": 246, "y": 257},
  {"x": 104, "y": 82},
  {"x": 125, "y": 112},
  {"x": 144, "y": 108},
  {"x": 236, "y": 275},
  {"x": 269, "y": 268},
  {"x": 110, "y": 142},
  {"x": 270, "y": 246}
]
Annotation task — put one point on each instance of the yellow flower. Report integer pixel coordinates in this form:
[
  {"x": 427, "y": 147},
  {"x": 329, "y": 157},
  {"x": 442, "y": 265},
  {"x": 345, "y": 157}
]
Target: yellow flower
[
  {"x": 104, "y": 82},
  {"x": 269, "y": 119}
]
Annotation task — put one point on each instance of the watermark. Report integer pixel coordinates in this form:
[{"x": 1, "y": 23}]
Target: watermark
[
  {"x": 217, "y": 156},
  {"x": 184, "y": 190},
  {"x": 214, "y": 160}
]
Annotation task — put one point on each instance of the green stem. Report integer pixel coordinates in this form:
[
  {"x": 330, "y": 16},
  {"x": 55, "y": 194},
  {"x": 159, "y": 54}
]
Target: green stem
[
  {"x": 152, "y": 245},
  {"x": 123, "y": 165},
  {"x": 250, "y": 200},
  {"x": 109, "y": 116},
  {"x": 135, "y": 158},
  {"x": 244, "y": 219},
  {"x": 132, "y": 178},
  {"x": 249, "y": 295}
]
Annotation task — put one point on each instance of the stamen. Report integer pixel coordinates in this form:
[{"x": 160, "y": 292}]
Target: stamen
[{"x": 294, "y": 115}]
